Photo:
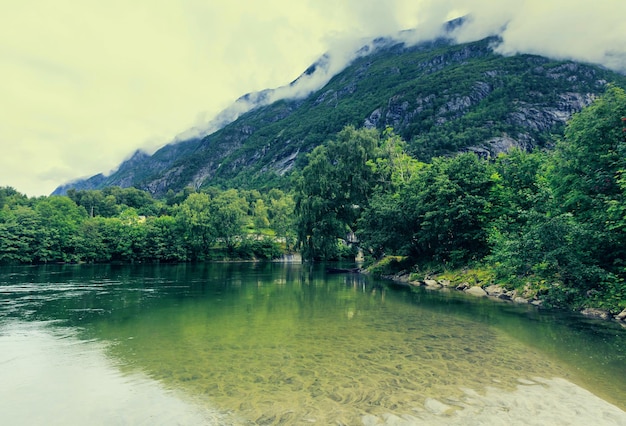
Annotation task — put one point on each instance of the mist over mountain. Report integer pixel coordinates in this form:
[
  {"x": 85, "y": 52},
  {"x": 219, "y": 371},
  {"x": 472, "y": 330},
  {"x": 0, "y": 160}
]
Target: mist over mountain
[{"x": 440, "y": 95}]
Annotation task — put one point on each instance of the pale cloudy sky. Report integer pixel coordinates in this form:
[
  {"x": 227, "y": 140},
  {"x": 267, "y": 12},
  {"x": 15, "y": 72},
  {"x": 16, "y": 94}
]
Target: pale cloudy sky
[{"x": 84, "y": 83}]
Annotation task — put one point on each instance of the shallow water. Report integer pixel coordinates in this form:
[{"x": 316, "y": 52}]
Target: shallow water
[
  {"x": 51, "y": 377},
  {"x": 289, "y": 344}
]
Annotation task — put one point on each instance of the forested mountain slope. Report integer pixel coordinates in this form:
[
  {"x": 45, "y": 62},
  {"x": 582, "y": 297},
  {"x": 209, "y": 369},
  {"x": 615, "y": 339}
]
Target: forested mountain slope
[{"x": 440, "y": 98}]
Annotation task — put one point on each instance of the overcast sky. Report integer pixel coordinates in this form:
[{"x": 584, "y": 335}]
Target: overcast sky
[{"x": 84, "y": 83}]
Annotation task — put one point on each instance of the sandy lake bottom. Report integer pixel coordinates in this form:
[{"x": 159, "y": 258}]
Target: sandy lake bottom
[{"x": 50, "y": 377}]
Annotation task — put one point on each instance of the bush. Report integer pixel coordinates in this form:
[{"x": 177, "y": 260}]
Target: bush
[
  {"x": 263, "y": 249},
  {"x": 389, "y": 265}
]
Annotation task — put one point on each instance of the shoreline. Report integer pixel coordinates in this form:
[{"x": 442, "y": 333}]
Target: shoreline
[{"x": 495, "y": 292}]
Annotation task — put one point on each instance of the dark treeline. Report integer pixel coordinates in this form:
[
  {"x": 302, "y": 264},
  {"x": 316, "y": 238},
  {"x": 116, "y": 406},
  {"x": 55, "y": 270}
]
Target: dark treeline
[
  {"x": 128, "y": 225},
  {"x": 553, "y": 221}
]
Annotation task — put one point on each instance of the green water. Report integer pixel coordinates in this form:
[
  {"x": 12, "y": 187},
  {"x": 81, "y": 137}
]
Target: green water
[{"x": 290, "y": 344}]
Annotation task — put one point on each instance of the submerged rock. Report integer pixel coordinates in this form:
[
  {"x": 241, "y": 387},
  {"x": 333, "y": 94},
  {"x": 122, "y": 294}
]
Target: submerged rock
[
  {"x": 596, "y": 313},
  {"x": 436, "y": 407},
  {"x": 370, "y": 420}
]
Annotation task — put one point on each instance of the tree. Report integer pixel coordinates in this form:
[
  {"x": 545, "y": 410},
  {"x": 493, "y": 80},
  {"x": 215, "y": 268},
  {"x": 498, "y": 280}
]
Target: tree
[
  {"x": 10, "y": 197},
  {"x": 519, "y": 186},
  {"x": 574, "y": 238},
  {"x": 260, "y": 216},
  {"x": 194, "y": 217},
  {"x": 164, "y": 240},
  {"x": 586, "y": 171},
  {"x": 384, "y": 227},
  {"x": 392, "y": 165},
  {"x": 60, "y": 219},
  {"x": 441, "y": 214},
  {"x": 588, "y": 161},
  {"x": 551, "y": 249},
  {"x": 227, "y": 217},
  {"x": 616, "y": 207},
  {"x": 18, "y": 234},
  {"x": 281, "y": 215},
  {"x": 91, "y": 245},
  {"x": 333, "y": 190},
  {"x": 95, "y": 202},
  {"x": 140, "y": 200}
]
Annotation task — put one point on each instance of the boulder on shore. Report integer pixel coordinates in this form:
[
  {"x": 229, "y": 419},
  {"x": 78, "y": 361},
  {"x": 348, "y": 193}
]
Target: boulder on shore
[
  {"x": 495, "y": 290},
  {"x": 621, "y": 316},
  {"x": 500, "y": 292},
  {"x": 476, "y": 291},
  {"x": 432, "y": 284},
  {"x": 462, "y": 286},
  {"x": 444, "y": 283}
]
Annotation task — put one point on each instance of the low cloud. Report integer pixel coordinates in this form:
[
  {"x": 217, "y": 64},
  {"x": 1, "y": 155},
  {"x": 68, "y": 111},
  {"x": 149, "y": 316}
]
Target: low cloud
[{"x": 575, "y": 29}]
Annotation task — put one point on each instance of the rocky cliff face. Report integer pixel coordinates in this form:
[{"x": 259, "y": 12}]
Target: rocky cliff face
[{"x": 440, "y": 98}]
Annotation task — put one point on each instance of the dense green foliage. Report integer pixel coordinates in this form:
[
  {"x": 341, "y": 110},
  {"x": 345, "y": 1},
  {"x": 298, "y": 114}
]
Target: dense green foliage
[
  {"x": 551, "y": 222},
  {"x": 440, "y": 214},
  {"x": 128, "y": 225},
  {"x": 572, "y": 238}
]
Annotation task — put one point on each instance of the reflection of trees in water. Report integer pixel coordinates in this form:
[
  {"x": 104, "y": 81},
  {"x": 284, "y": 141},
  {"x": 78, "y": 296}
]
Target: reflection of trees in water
[{"x": 362, "y": 283}]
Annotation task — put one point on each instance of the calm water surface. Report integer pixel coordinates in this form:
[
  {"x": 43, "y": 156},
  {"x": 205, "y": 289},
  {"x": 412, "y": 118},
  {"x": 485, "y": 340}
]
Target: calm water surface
[{"x": 288, "y": 344}]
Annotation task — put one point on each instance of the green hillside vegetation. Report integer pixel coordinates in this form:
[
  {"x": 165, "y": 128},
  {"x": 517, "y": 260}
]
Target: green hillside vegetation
[
  {"x": 440, "y": 98},
  {"x": 421, "y": 80}
]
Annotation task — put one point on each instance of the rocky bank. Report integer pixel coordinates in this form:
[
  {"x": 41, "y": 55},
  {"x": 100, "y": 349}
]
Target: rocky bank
[{"x": 497, "y": 293}]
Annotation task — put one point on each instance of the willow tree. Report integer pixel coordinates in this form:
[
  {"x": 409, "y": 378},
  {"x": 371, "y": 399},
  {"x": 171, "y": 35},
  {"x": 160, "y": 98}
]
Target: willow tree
[{"x": 333, "y": 190}]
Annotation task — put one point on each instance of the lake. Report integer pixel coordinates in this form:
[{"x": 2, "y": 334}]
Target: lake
[{"x": 271, "y": 343}]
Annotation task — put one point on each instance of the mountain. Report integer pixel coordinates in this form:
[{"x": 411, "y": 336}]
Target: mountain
[{"x": 442, "y": 98}]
